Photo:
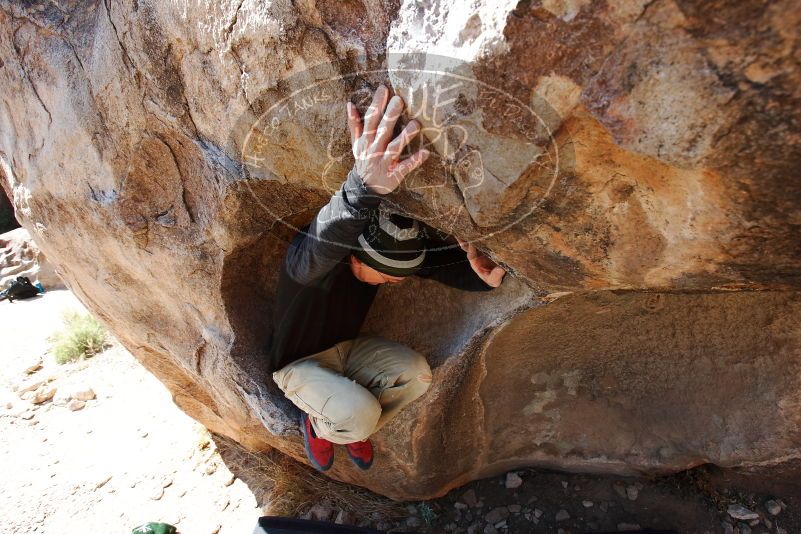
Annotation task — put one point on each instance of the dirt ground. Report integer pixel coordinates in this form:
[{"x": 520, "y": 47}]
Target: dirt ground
[
  {"x": 130, "y": 456},
  {"x": 702, "y": 500}
]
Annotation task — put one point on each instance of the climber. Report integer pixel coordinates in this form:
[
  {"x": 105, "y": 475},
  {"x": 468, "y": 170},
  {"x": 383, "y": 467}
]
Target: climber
[{"x": 348, "y": 386}]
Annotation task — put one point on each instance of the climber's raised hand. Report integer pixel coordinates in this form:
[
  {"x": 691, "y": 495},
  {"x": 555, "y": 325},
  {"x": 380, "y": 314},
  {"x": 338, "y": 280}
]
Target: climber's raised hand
[
  {"x": 377, "y": 156},
  {"x": 484, "y": 267}
]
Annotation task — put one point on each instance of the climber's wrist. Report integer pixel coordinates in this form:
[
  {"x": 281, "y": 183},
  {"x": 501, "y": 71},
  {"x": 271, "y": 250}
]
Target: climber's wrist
[{"x": 358, "y": 194}]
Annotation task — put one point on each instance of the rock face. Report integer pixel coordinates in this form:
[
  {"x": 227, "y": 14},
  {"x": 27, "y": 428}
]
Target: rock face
[{"x": 633, "y": 165}]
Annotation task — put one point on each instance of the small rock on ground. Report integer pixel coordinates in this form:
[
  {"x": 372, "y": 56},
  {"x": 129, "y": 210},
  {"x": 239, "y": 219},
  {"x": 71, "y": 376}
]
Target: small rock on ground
[
  {"x": 773, "y": 507},
  {"x": 43, "y": 395},
  {"x": 497, "y": 514},
  {"x": 343, "y": 518},
  {"x": 738, "y": 511},
  {"x": 33, "y": 365},
  {"x": 74, "y": 405},
  {"x": 30, "y": 385},
  {"x": 620, "y": 489},
  {"x": 513, "y": 481},
  {"x": 83, "y": 394},
  {"x": 469, "y": 497},
  {"x": 320, "y": 512}
]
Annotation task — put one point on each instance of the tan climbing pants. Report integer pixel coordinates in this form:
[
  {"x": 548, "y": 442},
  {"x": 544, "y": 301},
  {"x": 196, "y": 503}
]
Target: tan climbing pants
[{"x": 355, "y": 387}]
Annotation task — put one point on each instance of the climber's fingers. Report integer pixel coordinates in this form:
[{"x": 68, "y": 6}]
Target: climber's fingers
[
  {"x": 387, "y": 126},
  {"x": 409, "y": 164},
  {"x": 472, "y": 251},
  {"x": 354, "y": 123},
  {"x": 374, "y": 113},
  {"x": 482, "y": 265},
  {"x": 495, "y": 277},
  {"x": 397, "y": 145}
]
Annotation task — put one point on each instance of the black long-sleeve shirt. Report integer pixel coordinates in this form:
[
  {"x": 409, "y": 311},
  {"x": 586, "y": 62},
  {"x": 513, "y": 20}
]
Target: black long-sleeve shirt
[{"x": 319, "y": 301}]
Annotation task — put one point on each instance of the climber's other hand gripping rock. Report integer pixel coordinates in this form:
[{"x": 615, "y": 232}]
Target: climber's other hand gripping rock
[
  {"x": 377, "y": 158},
  {"x": 490, "y": 272}
]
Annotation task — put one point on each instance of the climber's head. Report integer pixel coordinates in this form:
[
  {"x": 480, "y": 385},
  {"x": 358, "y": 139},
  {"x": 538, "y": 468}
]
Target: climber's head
[
  {"x": 390, "y": 249},
  {"x": 367, "y": 274}
]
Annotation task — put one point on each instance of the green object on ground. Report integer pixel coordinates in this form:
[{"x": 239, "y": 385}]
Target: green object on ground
[
  {"x": 82, "y": 337},
  {"x": 154, "y": 528}
]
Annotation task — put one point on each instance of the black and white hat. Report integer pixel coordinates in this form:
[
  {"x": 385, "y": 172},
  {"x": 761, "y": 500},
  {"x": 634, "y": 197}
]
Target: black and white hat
[{"x": 391, "y": 244}]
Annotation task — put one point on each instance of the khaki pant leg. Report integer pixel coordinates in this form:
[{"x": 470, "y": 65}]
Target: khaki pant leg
[
  {"x": 340, "y": 410},
  {"x": 393, "y": 372}
]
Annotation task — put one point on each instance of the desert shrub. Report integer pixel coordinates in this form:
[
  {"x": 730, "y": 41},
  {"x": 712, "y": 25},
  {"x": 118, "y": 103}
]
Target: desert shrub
[{"x": 82, "y": 337}]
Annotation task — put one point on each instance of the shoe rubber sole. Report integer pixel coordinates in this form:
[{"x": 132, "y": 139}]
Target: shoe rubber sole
[
  {"x": 358, "y": 462},
  {"x": 309, "y": 455}
]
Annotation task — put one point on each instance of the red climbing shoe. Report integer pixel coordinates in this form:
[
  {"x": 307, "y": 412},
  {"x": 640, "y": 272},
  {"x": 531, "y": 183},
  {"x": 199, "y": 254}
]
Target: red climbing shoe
[
  {"x": 319, "y": 450},
  {"x": 361, "y": 452}
]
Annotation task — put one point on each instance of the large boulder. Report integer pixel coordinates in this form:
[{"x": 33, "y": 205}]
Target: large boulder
[{"x": 633, "y": 165}]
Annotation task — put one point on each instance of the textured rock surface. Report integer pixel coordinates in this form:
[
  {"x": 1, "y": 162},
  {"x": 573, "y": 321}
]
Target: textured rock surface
[
  {"x": 648, "y": 165},
  {"x": 19, "y": 256}
]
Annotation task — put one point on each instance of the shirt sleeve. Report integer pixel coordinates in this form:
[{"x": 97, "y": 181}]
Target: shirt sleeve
[
  {"x": 447, "y": 264},
  {"x": 333, "y": 233}
]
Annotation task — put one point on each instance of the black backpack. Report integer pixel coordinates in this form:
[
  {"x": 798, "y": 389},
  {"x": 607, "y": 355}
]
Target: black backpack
[{"x": 21, "y": 288}]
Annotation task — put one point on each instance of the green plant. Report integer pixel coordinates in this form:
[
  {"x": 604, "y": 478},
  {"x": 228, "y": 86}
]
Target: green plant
[
  {"x": 82, "y": 337},
  {"x": 427, "y": 513}
]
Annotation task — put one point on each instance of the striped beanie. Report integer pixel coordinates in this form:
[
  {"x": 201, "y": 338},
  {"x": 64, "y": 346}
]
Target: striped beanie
[{"x": 391, "y": 244}]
